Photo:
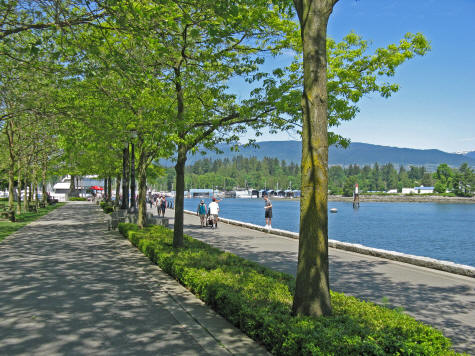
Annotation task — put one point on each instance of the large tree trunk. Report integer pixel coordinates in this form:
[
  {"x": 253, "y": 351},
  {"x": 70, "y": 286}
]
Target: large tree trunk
[
  {"x": 179, "y": 197},
  {"x": 44, "y": 197},
  {"x": 180, "y": 166},
  {"x": 142, "y": 203},
  {"x": 19, "y": 185},
  {"x": 11, "y": 169},
  {"x": 109, "y": 188},
  {"x": 133, "y": 203},
  {"x": 36, "y": 187},
  {"x": 125, "y": 178},
  {"x": 312, "y": 292},
  {"x": 30, "y": 193},
  {"x": 72, "y": 186},
  {"x": 105, "y": 191},
  {"x": 117, "y": 190},
  {"x": 26, "y": 199},
  {"x": 11, "y": 188}
]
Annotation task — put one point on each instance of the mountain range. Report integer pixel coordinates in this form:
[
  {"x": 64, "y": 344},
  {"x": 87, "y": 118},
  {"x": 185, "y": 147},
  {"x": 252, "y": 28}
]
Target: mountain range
[{"x": 357, "y": 153}]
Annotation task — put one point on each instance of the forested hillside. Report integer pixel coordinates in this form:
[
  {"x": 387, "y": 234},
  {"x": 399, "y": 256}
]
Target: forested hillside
[{"x": 272, "y": 173}]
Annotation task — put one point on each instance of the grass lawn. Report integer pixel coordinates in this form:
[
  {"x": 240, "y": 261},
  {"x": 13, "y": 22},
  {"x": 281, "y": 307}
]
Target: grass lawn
[{"x": 7, "y": 227}]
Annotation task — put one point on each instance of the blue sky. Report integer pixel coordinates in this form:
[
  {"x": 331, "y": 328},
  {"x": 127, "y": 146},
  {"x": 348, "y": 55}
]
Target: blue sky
[{"x": 435, "y": 106}]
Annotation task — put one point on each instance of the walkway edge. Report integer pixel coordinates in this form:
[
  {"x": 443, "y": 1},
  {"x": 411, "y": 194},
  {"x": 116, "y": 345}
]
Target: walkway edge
[
  {"x": 215, "y": 334},
  {"x": 427, "y": 262}
]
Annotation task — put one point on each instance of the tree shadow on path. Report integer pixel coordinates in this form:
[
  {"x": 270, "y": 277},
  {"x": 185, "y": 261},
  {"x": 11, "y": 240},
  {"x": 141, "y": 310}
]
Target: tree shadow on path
[{"x": 64, "y": 290}]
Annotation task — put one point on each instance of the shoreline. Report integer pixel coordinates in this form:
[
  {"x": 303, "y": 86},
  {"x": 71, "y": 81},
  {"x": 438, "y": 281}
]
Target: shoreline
[
  {"x": 404, "y": 199},
  {"x": 395, "y": 199}
]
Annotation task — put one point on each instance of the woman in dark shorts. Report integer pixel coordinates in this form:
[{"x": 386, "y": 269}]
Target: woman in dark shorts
[
  {"x": 163, "y": 205},
  {"x": 268, "y": 211}
]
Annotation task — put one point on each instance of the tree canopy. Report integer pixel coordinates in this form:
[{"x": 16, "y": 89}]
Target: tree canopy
[{"x": 82, "y": 81}]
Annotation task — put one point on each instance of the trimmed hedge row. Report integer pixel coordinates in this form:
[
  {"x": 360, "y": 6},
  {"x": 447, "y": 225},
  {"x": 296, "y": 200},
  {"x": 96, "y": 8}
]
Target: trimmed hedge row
[
  {"x": 77, "y": 199},
  {"x": 259, "y": 300}
]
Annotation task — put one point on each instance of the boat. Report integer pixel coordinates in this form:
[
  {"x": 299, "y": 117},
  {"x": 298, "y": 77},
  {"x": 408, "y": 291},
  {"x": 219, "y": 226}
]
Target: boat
[{"x": 333, "y": 210}]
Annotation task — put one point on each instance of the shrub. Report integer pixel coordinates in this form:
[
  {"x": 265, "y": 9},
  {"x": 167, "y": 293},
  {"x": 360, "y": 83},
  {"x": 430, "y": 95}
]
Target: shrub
[
  {"x": 258, "y": 301},
  {"x": 77, "y": 199},
  {"x": 107, "y": 207}
]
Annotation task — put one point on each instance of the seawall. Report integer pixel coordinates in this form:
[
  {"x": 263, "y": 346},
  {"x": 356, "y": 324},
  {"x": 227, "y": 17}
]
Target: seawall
[{"x": 427, "y": 262}]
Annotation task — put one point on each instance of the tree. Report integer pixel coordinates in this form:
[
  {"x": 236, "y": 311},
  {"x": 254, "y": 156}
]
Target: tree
[
  {"x": 327, "y": 100},
  {"x": 198, "y": 46},
  {"x": 444, "y": 175},
  {"x": 426, "y": 180},
  {"x": 349, "y": 187},
  {"x": 463, "y": 181},
  {"x": 35, "y": 15},
  {"x": 312, "y": 291}
]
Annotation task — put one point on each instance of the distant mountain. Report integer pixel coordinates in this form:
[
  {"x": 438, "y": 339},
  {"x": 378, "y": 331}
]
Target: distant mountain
[
  {"x": 470, "y": 154},
  {"x": 356, "y": 153},
  {"x": 363, "y": 153}
]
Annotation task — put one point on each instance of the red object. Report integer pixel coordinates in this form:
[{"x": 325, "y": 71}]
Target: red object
[{"x": 96, "y": 187}]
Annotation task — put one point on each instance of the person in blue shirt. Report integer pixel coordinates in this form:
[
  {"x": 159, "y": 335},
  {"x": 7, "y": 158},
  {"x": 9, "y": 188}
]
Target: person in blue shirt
[{"x": 201, "y": 212}]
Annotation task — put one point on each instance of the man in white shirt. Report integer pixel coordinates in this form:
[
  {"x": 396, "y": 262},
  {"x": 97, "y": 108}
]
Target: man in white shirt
[{"x": 213, "y": 211}]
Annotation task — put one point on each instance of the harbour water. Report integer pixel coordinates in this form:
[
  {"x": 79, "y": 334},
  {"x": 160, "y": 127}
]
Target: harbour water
[{"x": 438, "y": 230}]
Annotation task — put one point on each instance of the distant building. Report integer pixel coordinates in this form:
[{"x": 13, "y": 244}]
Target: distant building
[
  {"x": 201, "y": 193},
  {"x": 418, "y": 190},
  {"x": 243, "y": 194},
  {"x": 230, "y": 194},
  {"x": 289, "y": 193}
]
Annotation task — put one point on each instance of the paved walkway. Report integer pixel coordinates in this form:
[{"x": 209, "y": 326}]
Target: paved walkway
[
  {"x": 68, "y": 287},
  {"x": 443, "y": 300}
]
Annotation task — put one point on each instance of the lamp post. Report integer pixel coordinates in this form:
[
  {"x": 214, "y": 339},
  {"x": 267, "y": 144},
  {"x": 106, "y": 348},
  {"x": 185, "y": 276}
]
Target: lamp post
[{"x": 133, "y": 136}]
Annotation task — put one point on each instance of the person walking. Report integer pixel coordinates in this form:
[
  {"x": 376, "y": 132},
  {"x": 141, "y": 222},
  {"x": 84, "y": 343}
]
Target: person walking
[
  {"x": 214, "y": 211},
  {"x": 201, "y": 212},
  {"x": 268, "y": 211},
  {"x": 163, "y": 205}
]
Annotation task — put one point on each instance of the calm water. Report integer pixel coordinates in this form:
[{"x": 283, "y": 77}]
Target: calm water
[{"x": 437, "y": 230}]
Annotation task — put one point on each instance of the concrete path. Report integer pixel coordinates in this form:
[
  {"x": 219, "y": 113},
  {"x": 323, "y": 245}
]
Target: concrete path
[
  {"x": 443, "y": 300},
  {"x": 67, "y": 287}
]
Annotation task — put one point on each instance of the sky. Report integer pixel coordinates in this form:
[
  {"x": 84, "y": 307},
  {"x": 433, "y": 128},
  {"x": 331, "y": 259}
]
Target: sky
[{"x": 435, "y": 105}]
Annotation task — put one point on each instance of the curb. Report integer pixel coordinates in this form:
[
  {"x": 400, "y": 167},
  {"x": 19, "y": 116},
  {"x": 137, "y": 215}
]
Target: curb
[
  {"x": 420, "y": 261},
  {"x": 215, "y": 334}
]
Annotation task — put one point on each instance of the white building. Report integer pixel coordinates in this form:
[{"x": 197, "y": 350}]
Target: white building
[{"x": 418, "y": 190}]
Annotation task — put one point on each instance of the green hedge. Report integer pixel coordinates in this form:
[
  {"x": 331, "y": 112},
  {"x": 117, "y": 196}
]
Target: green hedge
[
  {"x": 77, "y": 199},
  {"x": 259, "y": 300},
  {"x": 107, "y": 207}
]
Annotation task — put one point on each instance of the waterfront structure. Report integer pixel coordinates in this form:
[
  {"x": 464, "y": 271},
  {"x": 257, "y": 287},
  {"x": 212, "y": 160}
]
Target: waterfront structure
[
  {"x": 243, "y": 194},
  {"x": 289, "y": 193},
  {"x": 418, "y": 190},
  {"x": 201, "y": 193},
  {"x": 61, "y": 189}
]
